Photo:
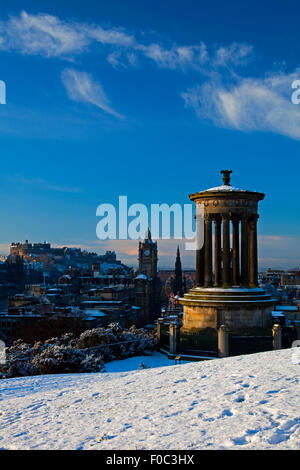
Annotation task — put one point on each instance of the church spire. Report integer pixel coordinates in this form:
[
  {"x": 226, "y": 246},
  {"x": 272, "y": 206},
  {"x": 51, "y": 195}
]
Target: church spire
[
  {"x": 178, "y": 281},
  {"x": 148, "y": 235}
]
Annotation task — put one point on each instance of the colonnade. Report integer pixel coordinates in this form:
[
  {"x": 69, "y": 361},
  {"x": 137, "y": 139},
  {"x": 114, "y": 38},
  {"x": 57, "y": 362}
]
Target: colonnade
[{"x": 230, "y": 257}]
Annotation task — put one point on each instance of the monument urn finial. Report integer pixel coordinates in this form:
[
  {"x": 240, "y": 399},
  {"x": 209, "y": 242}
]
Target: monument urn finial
[{"x": 226, "y": 177}]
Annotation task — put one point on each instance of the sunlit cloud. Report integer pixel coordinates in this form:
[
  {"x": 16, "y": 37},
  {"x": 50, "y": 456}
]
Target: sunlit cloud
[
  {"x": 287, "y": 252},
  {"x": 249, "y": 104},
  {"x": 4, "y": 249}
]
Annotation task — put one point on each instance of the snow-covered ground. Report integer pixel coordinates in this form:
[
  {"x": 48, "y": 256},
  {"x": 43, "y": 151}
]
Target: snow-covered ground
[
  {"x": 245, "y": 402},
  {"x": 139, "y": 362}
]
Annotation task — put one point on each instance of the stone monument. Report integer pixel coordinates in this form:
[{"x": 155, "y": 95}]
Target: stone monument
[{"x": 226, "y": 291}]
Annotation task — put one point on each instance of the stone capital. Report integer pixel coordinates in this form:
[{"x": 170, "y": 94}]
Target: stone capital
[{"x": 208, "y": 217}]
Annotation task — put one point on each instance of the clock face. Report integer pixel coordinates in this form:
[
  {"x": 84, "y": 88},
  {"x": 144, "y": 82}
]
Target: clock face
[{"x": 146, "y": 252}]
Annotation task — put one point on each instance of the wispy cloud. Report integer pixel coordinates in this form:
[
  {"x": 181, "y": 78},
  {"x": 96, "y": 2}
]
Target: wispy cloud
[
  {"x": 112, "y": 36},
  {"x": 49, "y": 36},
  {"x": 82, "y": 87},
  {"x": 227, "y": 99},
  {"x": 200, "y": 57},
  {"x": 42, "y": 34},
  {"x": 249, "y": 104},
  {"x": 234, "y": 54},
  {"x": 41, "y": 183},
  {"x": 176, "y": 56}
]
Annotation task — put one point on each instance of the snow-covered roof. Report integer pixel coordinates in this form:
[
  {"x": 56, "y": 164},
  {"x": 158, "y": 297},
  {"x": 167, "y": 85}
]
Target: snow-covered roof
[
  {"x": 100, "y": 301},
  {"x": 94, "y": 313},
  {"x": 287, "y": 308},
  {"x": 226, "y": 188},
  {"x": 277, "y": 314},
  {"x": 141, "y": 276}
]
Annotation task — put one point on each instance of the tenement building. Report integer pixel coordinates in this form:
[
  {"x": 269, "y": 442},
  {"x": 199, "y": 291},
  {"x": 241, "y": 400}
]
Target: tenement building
[{"x": 226, "y": 291}]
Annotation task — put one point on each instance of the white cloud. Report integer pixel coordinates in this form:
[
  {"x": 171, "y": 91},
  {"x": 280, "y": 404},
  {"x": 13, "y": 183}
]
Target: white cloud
[
  {"x": 49, "y": 36},
  {"x": 114, "y": 58},
  {"x": 235, "y": 53},
  {"x": 42, "y": 34},
  {"x": 112, "y": 36},
  {"x": 83, "y": 88},
  {"x": 249, "y": 105},
  {"x": 177, "y": 56}
]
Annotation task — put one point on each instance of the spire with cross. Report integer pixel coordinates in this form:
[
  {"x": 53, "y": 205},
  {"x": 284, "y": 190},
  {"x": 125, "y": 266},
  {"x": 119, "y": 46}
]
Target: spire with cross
[{"x": 148, "y": 235}]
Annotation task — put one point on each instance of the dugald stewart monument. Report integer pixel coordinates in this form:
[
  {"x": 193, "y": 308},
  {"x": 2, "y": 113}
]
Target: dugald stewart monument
[{"x": 226, "y": 291}]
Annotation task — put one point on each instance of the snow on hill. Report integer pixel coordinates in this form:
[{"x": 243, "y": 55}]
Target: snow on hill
[{"x": 245, "y": 402}]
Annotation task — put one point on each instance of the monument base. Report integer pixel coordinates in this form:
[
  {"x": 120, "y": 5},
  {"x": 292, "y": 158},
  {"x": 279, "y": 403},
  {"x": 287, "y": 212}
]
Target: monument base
[{"x": 235, "y": 307}]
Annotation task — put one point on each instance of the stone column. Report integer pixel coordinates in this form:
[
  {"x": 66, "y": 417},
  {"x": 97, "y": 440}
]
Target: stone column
[
  {"x": 174, "y": 334},
  {"x": 200, "y": 267},
  {"x": 253, "y": 252},
  {"x": 217, "y": 259},
  {"x": 244, "y": 254},
  {"x": 226, "y": 251},
  {"x": 223, "y": 341},
  {"x": 277, "y": 338},
  {"x": 208, "y": 251},
  {"x": 199, "y": 256},
  {"x": 235, "y": 251}
]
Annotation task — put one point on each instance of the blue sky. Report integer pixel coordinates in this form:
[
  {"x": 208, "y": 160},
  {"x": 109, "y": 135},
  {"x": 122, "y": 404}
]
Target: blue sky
[{"x": 149, "y": 100}]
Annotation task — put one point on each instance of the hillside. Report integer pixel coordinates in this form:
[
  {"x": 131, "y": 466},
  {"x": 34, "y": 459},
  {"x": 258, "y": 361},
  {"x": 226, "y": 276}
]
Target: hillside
[{"x": 245, "y": 402}]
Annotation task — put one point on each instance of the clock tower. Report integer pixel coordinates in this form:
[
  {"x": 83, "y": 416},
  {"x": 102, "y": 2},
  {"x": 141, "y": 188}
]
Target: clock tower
[{"x": 148, "y": 257}]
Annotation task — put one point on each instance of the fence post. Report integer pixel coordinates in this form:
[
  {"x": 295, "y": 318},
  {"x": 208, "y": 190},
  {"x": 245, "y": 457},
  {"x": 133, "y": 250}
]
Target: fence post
[
  {"x": 174, "y": 333},
  {"x": 277, "y": 337},
  {"x": 159, "y": 322},
  {"x": 223, "y": 341}
]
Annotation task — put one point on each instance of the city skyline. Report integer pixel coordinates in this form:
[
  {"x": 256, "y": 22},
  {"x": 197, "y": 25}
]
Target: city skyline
[{"x": 150, "y": 103}]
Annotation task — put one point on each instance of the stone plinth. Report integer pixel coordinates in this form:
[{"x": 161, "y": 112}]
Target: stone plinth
[{"x": 237, "y": 308}]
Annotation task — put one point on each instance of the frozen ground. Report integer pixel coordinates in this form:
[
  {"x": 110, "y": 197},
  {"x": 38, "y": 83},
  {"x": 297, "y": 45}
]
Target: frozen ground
[{"x": 245, "y": 402}]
